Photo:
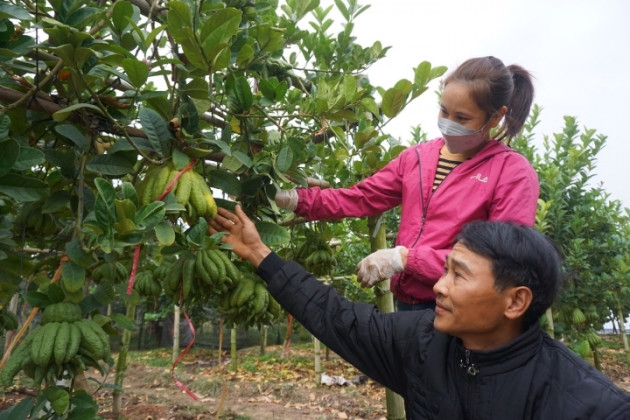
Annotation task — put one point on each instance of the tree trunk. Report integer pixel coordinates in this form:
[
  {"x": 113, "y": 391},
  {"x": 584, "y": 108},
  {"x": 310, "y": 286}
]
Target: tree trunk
[
  {"x": 385, "y": 302},
  {"x": 622, "y": 328},
  {"x": 13, "y": 307},
  {"x": 318, "y": 360},
  {"x": 287, "y": 337},
  {"x": 220, "y": 341},
  {"x": 121, "y": 363},
  {"x": 176, "y": 319},
  {"x": 233, "y": 349},
  {"x": 549, "y": 327},
  {"x": 263, "y": 339},
  {"x": 596, "y": 359},
  {"x": 140, "y": 330}
]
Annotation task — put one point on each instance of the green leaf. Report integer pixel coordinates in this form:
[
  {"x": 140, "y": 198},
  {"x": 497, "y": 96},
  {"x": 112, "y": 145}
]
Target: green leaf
[
  {"x": 5, "y": 126},
  {"x": 38, "y": 299},
  {"x": 72, "y": 276},
  {"x": 82, "y": 16},
  {"x": 64, "y": 160},
  {"x": 73, "y": 134},
  {"x": 57, "y": 201},
  {"x": 83, "y": 406},
  {"x": 125, "y": 209},
  {"x": 180, "y": 159},
  {"x": 225, "y": 181},
  {"x": 164, "y": 233},
  {"x": 197, "y": 234},
  {"x": 158, "y": 31},
  {"x": 284, "y": 160},
  {"x": 156, "y": 130},
  {"x": 220, "y": 28},
  {"x": 125, "y": 227},
  {"x": 9, "y": 11},
  {"x": 65, "y": 113},
  {"x": 197, "y": 88},
  {"x": 77, "y": 254},
  {"x": 137, "y": 71},
  {"x": 421, "y": 74},
  {"x": 245, "y": 56},
  {"x": 343, "y": 10},
  {"x": 370, "y": 105},
  {"x": 123, "y": 322},
  {"x": 104, "y": 207},
  {"x": 349, "y": 84},
  {"x": 28, "y": 158},
  {"x": 147, "y": 217},
  {"x": 106, "y": 240},
  {"x": 23, "y": 188},
  {"x": 20, "y": 411},
  {"x": 59, "y": 399},
  {"x": 240, "y": 97},
  {"x": 129, "y": 192},
  {"x": 193, "y": 52},
  {"x": 121, "y": 12},
  {"x": 110, "y": 164},
  {"x": 437, "y": 72},
  {"x": 74, "y": 57},
  {"x": 393, "y": 102},
  {"x": 179, "y": 21},
  {"x": 268, "y": 87},
  {"x": 272, "y": 234},
  {"x": 269, "y": 38},
  {"x": 9, "y": 152},
  {"x": 243, "y": 158}
]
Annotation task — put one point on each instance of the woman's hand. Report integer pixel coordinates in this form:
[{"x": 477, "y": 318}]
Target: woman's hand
[{"x": 381, "y": 265}]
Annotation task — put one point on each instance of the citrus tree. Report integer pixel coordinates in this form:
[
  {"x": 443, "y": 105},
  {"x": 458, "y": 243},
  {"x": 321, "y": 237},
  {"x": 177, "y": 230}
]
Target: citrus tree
[
  {"x": 590, "y": 228},
  {"x": 124, "y": 124}
]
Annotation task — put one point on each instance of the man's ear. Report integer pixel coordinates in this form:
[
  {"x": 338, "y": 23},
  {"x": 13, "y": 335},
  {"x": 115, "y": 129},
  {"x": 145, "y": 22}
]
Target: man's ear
[{"x": 519, "y": 299}]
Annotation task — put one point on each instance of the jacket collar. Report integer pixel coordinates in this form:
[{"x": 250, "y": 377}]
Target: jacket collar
[
  {"x": 502, "y": 359},
  {"x": 492, "y": 147}
]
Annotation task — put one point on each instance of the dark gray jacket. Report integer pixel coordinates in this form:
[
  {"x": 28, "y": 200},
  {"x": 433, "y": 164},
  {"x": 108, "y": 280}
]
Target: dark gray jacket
[{"x": 533, "y": 377}]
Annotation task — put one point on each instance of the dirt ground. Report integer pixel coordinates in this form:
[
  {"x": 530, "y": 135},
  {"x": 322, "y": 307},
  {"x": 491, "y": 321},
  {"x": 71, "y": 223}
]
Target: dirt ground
[
  {"x": 265, "y": 391},
  {"x": 272, "y": 389},
  {"x": 263, "y": 388}
]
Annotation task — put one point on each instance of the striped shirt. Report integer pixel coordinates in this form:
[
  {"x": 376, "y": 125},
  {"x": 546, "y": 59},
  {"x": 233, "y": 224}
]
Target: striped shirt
[{"x": 446, "y": 164}]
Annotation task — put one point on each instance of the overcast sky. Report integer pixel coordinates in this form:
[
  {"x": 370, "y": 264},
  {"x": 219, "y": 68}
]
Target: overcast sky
[{"x": 577, "y": 50}]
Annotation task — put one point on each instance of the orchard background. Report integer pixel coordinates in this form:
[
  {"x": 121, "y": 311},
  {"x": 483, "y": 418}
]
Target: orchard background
[{"x": 114, "y": 115}]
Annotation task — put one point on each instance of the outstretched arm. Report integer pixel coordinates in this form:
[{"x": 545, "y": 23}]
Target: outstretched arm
[
  {"x": 358, "y": 332},
  {"x": 242, "y": 235}
]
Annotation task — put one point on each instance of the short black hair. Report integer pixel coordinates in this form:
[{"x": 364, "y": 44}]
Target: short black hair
[{"x": 521, "y": 256}]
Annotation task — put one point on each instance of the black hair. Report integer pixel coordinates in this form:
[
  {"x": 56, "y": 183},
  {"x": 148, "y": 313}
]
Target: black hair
[{"x": 521, "y": 256}]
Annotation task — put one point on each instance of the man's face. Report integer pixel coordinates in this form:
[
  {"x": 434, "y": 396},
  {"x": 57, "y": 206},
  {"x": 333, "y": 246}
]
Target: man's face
[{"x": 468, "y": 305}]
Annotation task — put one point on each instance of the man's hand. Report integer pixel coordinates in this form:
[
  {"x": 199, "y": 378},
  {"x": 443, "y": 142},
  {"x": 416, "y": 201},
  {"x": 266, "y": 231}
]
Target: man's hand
[
  {"x": 287, "y": 199},
  {"x": 242, "y": 234},
  {"x": 380, "y": 265}
]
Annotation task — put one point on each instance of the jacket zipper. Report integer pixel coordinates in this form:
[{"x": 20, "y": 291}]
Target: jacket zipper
[
  {"x": 470, "y": 367},
  {"x": 425, "y": 207},
  {"x": 424, "y": 216},
  {"x": 422, "y": 204}
]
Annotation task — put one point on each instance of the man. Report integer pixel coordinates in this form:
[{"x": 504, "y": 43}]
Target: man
[{"x": 480, "y": 355}]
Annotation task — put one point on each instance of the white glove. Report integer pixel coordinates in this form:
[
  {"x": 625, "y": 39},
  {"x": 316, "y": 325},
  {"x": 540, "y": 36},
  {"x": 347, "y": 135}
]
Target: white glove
[
  {"x": 287, "y": 199},
  {"x": 379, "y": 266}
]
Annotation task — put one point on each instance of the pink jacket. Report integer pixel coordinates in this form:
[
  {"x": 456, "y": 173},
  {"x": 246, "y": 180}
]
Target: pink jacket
[{"x": 495, "y": 184}]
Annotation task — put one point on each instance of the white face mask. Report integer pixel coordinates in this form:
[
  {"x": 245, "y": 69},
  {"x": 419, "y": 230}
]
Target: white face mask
[{"x": 460, "y": 139}]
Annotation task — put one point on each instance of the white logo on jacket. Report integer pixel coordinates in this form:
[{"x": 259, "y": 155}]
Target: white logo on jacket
[{"x": 479, "y": 178}]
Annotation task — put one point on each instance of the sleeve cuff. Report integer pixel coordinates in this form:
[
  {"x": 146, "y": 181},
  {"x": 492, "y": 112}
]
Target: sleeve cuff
[{"x": 270, "y": 266}]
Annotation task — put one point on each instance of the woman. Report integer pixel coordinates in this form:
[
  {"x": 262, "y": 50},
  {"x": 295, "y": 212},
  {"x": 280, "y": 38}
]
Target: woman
[{"x": 442, "y": 184}]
